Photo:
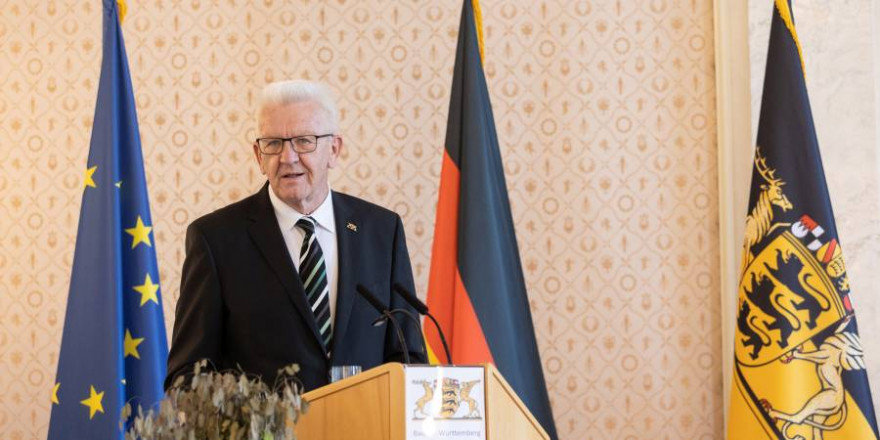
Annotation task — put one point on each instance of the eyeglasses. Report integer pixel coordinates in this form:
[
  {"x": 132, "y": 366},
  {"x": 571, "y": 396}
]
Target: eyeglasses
[{"x": 301, "y": 144}]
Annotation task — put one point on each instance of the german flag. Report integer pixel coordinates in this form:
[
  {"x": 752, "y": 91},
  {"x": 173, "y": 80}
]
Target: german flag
[
  {"x": 799, "y": 370},
  {"x": 476, "y": 287}
]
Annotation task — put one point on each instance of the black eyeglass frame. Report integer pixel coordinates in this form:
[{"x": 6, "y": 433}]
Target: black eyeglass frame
[{"x": 292, "y": 143}]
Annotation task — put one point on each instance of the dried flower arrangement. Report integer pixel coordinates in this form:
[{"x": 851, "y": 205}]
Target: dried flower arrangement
[{"x": 222, "y": 405}]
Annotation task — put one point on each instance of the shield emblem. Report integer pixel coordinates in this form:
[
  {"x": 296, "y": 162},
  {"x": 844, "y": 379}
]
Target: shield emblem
[{"x": 792, "y": 330}]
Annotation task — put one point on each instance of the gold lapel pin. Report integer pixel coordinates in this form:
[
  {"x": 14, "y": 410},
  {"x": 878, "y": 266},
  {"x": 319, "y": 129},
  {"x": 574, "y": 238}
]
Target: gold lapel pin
[{"x": 352, "y": 226}]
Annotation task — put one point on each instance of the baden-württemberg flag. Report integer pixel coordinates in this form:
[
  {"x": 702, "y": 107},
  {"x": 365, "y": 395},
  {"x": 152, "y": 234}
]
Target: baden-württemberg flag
[
  {"x": 799, "y": 371},
  {"x": 113, "y": 348}
]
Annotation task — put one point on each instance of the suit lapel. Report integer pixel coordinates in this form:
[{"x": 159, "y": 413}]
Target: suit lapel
[
  {"x": 347, "y": 244},
  {"x": 266, "y": 234}
]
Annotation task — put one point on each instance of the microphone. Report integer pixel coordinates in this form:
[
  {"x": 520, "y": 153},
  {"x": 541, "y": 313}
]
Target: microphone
[
  {"x": 381, "y": 308},
  {"x": 386, "y": 314},
  {"x": 411, "y": 299},
  {"x": 420, "y": 307}
]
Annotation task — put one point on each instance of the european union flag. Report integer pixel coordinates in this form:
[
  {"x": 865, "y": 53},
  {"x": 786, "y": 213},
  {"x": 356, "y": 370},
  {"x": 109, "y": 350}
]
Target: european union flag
[
  {"x": 799, "y": 368},
  {"x": 113, "y": 349}
]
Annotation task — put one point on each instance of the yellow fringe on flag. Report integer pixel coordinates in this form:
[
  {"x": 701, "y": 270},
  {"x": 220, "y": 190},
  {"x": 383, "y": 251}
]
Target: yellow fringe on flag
[
  {"x": 478, "y": 21},
  {"x": 785, "y": 13}
]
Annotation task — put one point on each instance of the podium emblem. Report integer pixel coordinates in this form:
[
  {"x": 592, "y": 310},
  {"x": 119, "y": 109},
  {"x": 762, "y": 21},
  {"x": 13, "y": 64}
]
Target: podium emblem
[
  {"x": 445, "y": 402},
  {"x": 455, "y": 400}
]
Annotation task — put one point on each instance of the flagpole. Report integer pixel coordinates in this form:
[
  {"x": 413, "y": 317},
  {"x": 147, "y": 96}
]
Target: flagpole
[{"x": 733, "y": 109}]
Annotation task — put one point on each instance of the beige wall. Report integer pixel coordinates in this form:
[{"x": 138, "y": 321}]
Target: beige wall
[{"x": 605, "y": 114}]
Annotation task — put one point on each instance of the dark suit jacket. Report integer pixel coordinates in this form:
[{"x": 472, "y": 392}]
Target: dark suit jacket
[{"x": 242, "y": 302}]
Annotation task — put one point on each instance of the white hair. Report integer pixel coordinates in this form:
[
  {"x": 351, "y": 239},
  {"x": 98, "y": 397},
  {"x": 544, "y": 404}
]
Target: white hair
[{"x": 298, "y": 90}]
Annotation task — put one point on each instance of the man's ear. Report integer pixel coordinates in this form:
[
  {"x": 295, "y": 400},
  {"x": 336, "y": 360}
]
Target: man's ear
[
  {"x": 259, "y": 157},
  {"x": 335, "y": 151}
]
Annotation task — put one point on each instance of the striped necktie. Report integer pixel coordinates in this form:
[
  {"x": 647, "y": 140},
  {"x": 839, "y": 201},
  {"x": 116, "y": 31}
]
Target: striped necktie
[{"x": 313, "y": 273}]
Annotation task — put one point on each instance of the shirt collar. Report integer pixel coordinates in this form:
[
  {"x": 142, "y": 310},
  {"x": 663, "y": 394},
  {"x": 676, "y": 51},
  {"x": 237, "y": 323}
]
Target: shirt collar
[{"x": 287, "y": 216}]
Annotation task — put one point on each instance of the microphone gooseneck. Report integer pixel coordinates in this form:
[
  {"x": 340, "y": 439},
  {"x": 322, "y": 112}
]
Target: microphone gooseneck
[
  {"x": 422, "y": 309},
  {"x": 386, "y": 314},
  {"x": 418, "y": 325}
]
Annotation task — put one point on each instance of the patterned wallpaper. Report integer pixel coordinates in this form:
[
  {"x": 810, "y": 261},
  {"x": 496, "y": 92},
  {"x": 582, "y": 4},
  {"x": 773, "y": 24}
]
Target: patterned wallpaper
[{"x": 605, "y": 114}]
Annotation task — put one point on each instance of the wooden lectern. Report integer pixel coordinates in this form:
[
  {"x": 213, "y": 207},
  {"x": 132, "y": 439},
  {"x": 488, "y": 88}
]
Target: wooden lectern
[{"x": 371, "y": 406}]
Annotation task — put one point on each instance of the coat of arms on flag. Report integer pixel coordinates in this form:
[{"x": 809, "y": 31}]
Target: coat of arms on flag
[{"x": 793, "y": 318}]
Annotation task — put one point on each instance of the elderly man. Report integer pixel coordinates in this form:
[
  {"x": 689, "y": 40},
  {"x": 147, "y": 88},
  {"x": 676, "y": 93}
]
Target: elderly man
[{"x": 270, "y": 280}]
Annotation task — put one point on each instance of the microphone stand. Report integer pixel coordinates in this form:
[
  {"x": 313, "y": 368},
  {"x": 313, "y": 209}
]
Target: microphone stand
[
  {"x": 422, "y": 309},
  {"x": 418, "y": 326},
  {"x": 386, "y": 315}
]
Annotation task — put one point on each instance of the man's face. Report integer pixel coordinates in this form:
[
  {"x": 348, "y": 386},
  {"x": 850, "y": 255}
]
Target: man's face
[{"x": 300, "y": 180}]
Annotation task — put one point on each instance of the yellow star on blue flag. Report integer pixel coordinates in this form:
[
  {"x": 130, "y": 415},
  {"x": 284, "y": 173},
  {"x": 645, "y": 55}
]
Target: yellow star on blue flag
[
  {"x": 131, "y": 345},
  {"x": 148, "y": 291},
  {"x": 89, "y": 180},
  {"x": 55, "y": 393},
  {"x": 140, "y": 233},
  {"x": 94, "y": 402}
]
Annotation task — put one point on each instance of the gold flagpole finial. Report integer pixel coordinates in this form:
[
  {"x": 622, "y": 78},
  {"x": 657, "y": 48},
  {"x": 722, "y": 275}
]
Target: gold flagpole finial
[{"x": 122, "y": 8}]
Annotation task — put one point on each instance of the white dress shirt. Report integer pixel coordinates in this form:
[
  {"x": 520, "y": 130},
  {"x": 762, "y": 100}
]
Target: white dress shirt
[{"x": 325, "y": 233}]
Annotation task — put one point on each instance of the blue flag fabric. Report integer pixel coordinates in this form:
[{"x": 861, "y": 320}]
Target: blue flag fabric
[
  {"x": 113, "y": 348},
  {"x": 799, "y": 369}
]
